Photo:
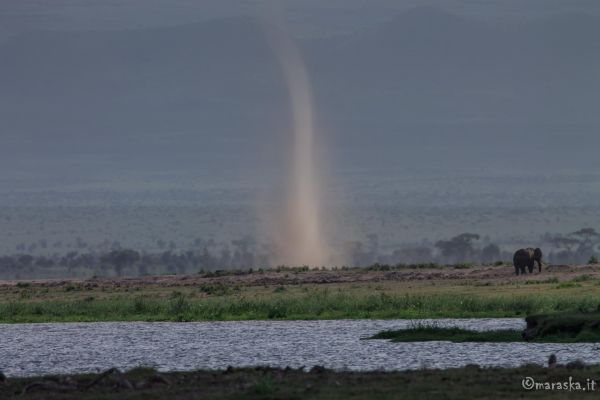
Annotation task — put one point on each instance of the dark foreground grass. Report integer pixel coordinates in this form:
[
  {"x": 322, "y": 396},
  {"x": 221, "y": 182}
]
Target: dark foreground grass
[
  {"x": 470, "y": 382},
  {"x": 318, "y": 304},
  {"x": 564, "y": 327},
  {"x": 457, "y": 335},
  {"x": 573, "y": 327}
]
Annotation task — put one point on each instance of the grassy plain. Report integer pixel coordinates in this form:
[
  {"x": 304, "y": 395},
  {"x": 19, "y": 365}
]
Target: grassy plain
[{"x": 430, "y": 292}]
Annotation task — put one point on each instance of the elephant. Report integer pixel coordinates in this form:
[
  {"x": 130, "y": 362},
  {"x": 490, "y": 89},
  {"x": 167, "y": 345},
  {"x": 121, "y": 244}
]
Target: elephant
[{"x": 527, "y": 258}]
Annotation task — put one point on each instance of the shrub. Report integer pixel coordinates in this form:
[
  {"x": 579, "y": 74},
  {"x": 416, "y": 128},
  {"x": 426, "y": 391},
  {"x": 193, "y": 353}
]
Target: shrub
[
  {"x": 582, "y": 278},
  {"x": 463, "y": 265},
  {"x": 265, "y": 386},
  {"x": 218, "y": 288},
  {"x": 567, "y": 284},
  {"x": 178, "y": 305}
]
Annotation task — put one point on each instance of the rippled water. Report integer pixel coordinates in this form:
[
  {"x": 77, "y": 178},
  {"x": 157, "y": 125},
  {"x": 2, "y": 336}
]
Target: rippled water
[{"x": 34, "y": 349}]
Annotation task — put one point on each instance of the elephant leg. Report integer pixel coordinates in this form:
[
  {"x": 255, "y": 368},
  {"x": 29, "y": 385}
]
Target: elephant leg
[
  {"x": 530, "y": 266},
  {"x": 516, "y": 270},
  {"x": 522, "y": 269},
  {"x": 540, "y": 266}
]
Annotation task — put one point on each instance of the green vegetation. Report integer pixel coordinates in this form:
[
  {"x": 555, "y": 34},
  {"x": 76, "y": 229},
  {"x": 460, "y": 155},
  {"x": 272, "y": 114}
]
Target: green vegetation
[
  {"x": 218, "y": 288},
  {"x": 547, "y": 328},
  {"x": 457, "y": 335},
  {"x": 583, "y": 278},
  {"x": 575, "y": 282},
  {"x": 564, "y": 327},
  {"x": 567, "y": 284},
  {"x": 375, "y": 292},
  {"x": 470, "y": 382},
  {"x": 311, "y": 304},
  {"x": 536, "y": 282}
]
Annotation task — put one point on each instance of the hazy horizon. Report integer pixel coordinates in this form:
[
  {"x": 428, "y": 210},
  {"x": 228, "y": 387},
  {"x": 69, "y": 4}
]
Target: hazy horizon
[{"x": 434, "y": 118}]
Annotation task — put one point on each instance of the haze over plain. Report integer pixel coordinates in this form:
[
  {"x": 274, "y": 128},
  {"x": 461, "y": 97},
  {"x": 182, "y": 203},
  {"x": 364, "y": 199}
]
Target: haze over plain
[{"x": 451, "y": 104}]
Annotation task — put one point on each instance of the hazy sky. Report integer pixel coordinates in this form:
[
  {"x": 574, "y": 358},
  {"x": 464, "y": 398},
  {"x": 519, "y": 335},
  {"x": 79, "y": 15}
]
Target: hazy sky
[
  {"x": 101, "y": 91},
  {"x": 306, "y": 17}
]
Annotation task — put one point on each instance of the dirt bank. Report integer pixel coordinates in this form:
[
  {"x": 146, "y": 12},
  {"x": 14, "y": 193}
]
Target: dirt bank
[{"x": 504, "y": 273}]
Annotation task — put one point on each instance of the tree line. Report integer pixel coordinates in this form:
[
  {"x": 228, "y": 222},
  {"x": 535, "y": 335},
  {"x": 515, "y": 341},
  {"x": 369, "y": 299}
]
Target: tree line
[{"x": 580, "y": 246}]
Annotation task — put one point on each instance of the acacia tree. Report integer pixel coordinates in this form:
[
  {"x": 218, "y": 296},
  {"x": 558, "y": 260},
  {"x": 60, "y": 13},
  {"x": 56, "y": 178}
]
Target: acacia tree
[
  {"x": 459, "y": 248},
  {"x": 564, "y": 242},
  {"x": 564, "y": 246},
  {"x": 586, "y": 236},
  {"x": 121, "y": 259}
]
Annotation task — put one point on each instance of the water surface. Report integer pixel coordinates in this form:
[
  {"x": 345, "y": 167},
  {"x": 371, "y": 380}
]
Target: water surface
[{"x": 52, "y": 348}]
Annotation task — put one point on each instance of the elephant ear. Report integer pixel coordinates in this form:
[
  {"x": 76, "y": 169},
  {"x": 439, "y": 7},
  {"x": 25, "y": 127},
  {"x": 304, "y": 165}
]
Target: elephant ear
[{"x": 537, "y": 254}]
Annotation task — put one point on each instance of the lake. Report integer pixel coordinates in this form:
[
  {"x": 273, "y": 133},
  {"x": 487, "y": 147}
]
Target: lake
[{"x": 60, "y": 348}]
